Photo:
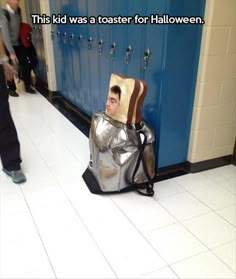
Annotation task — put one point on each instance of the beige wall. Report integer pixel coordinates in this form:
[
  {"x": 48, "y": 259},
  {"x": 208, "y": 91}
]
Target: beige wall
[{"x": 213, "y": 128}]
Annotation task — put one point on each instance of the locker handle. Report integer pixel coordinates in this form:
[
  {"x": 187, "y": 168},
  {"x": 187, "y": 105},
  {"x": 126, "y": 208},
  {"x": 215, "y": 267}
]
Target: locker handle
[
  {"x": 52, "y": 34},
  {"x": 100, "y": 46},
  {"x": 80, "y": 40},
  {"x": 90, "y": 39},
  {"x": 58, "y": 33},
  {"x": 147, "y": 54},
  {"x": 71, "y": 39},
  {"x": 64, "y": 37},
  {"x": 112, "y": 51},
  {"x": 127, "y": 54}
]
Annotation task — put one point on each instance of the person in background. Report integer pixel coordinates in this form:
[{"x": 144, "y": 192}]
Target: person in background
[
  {"x": 9, "y": 143},
  {"x": 26, "y": 40},
  {"x": 11, "y": 22}
]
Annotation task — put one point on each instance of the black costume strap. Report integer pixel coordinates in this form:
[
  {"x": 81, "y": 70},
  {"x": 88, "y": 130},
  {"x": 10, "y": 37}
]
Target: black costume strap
[{"x": 148, "y": 186}]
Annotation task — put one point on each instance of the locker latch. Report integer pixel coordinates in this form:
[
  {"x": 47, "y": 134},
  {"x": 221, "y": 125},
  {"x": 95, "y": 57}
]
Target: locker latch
[
  {"x": 100, "y": 46},
  {"x": 147, "y": 54},
  {"x": 90, "y": 40},
  {"x": 52, "y": 34},
  {"x": 64, "y": 37},
  {"x": 71, "y": 39},
  {"x": 112, "y": 51},
  {"x": 127, "y": 54}
]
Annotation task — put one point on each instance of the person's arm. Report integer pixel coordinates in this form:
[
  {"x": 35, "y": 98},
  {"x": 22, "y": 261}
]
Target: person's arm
[
  {"x": 6, "y": 34},
  {"x": 8, "y": 69},
  {"x": 7, "y": 39}
]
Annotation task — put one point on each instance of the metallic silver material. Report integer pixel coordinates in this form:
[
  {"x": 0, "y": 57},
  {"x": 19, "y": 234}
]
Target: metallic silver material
[{"x": 114, "y": 153}]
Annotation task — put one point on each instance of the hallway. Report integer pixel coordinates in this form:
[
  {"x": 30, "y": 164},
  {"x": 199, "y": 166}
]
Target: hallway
[{"x": 53, "y": 227}]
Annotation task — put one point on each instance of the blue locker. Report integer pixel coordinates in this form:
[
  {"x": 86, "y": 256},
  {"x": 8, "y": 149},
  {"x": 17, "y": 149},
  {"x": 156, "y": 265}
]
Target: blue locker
[
  {"x": 178, "y": 82},
  {"x": 81, "y": 31},
  {"x": 165, "y": 56},
  {"x": 103, "y": 53},
  {"x": 55, "y": 7}
]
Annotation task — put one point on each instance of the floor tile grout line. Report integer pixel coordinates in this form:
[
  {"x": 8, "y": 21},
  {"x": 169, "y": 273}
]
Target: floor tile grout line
[
  {"x": 35, "y": 146},
  {"x": 70, "y": 202},
  {"x": 180, "y": 222},
  {"x": 68, "y": 199},
  {"x": 211, "y": 209},
  {"x": 201, "y": 253},
  {"x": 208, "y": 248},
  {"x": 87, "y": 229},
  {"x": 143, "y": 236},
  {"x": 221, "y": 187},
  {"x": 221, "y": 259},
  {"x": 38, "y": 232},
  {"x": 62, "y": 142},
  {"x": 165, "y": 209}
]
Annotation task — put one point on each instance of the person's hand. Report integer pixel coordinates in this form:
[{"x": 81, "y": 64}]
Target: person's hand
[
  {"x": 14, "y": 59},
  {"x": 9, "y": 71}
]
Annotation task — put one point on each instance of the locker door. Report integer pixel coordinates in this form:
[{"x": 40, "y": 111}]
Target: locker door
[
  {"x": 83, "y": 96},
  {"x": 152, "y": 69},
  {"x": 135, "y": 39},
  {"x": 118, "y": 37},
  {"x": 67, "y": 63},
  {"x": 103, "y": 49},
  {"x": 93, "y": 56},
  {"x": 74, "y": 45},
  {"x": 55, "y": 8},
  {"x": 178, "y": 82}
]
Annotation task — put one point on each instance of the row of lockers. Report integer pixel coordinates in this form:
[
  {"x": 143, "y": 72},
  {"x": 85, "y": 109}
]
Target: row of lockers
[{"x": 165, "y": 56}]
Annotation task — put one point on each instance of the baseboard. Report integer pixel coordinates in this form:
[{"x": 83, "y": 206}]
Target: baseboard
[{"x": 209, "y": 164}]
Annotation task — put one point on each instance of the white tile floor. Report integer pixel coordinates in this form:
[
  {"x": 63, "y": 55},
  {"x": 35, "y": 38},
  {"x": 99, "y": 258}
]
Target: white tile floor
[{"x": 53, "y": 227}]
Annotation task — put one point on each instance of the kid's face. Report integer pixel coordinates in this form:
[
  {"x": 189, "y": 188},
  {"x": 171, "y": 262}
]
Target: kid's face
[{"x": 112, "y": 104}]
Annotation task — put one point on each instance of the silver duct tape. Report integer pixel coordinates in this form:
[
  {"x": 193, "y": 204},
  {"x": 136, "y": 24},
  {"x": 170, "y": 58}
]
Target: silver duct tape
[{"x": 114, "y": 153}]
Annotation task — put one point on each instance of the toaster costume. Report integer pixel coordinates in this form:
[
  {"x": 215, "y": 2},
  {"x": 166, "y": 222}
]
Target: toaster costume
[{"x": 121, "y": 145}]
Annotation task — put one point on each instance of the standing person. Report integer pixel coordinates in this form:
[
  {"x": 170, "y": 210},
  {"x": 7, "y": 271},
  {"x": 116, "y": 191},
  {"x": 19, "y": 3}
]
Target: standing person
[
  {"x": 9, "y": 143},
  {"x": 11, "y": 21}
]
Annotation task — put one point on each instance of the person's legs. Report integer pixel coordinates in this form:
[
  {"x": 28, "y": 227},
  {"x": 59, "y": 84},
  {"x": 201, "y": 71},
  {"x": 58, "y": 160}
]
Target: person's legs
[
  {"x": 21, "y": 53},
  {"x": 11, "y": 85},
  {"x": 9, "y": 143},
  {"x": 12, "y": 88}
]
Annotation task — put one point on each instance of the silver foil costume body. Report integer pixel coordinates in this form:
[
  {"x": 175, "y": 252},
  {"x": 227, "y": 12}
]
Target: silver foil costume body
[
  {"x": 122, "y": 146},
  {"x": 114, "y": 153}
]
